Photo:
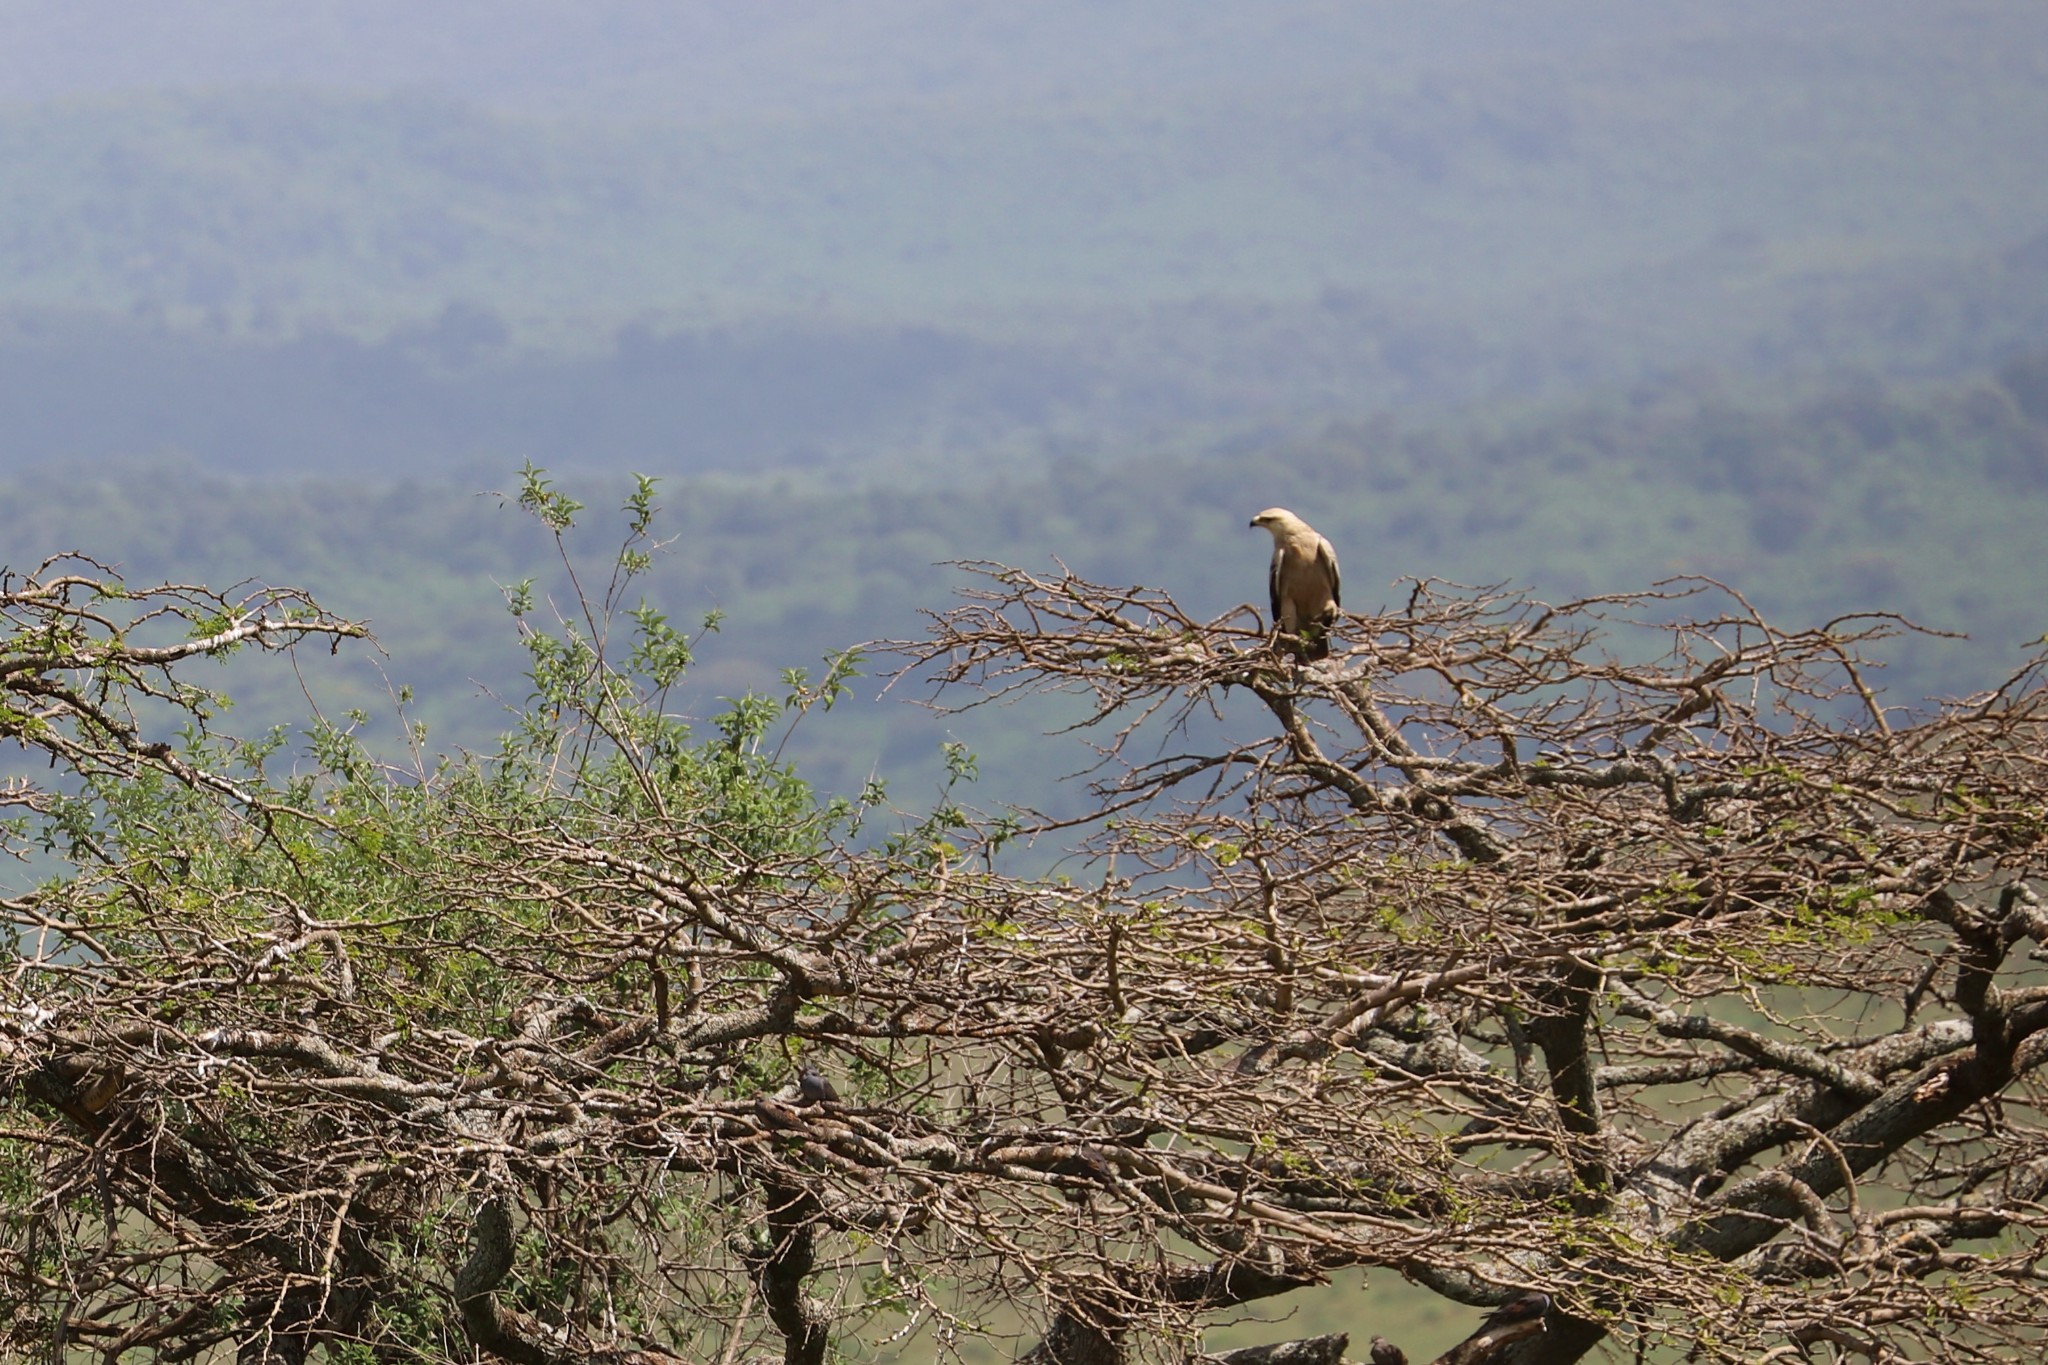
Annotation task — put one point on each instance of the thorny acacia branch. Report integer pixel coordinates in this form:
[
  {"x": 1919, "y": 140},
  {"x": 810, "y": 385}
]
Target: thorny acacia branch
[{"x": 1517, "y": 948}]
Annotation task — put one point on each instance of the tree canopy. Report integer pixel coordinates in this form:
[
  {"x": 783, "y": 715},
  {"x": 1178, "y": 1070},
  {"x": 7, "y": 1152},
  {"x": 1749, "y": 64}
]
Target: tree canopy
[{"x": 1625, "y": 965}]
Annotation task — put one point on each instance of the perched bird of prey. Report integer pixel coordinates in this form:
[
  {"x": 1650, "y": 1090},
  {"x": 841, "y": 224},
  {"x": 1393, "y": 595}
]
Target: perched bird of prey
[
  {"x": 1303, "y": 582},
  {"x": 815, "y": 1088}
]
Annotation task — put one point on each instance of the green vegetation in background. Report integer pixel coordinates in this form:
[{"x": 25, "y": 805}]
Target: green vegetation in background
[{"x": 1926, "y": 500}]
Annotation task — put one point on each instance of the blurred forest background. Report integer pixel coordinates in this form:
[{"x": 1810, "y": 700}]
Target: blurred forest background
[{"x": 1575, "y": 293}]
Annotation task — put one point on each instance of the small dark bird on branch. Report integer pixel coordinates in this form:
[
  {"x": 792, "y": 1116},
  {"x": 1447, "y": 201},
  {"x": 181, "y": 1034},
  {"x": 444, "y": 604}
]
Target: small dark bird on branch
[
  {"x": 1384, "y": 1352},
  {"x": 99, "y": 1089},
  {"x": 1086, "y": 1163},
  {"x": 812, "y": 1085},
  {"x": 1522, "y": 1308}
]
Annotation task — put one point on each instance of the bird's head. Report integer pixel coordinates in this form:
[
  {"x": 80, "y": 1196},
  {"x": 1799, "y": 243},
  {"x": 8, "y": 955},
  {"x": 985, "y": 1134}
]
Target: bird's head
[{"x": 1283, "y": 524}]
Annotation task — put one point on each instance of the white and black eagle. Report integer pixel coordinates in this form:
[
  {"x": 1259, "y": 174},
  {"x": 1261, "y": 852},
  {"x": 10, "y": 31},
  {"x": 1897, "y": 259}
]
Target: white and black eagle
[{"x": 1303, "y": 582}]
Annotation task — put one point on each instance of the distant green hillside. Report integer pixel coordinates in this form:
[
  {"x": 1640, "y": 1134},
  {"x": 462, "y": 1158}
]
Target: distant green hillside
[
  {"x": 456, "y": 394},
  {"x": 1924, "y": 500}
]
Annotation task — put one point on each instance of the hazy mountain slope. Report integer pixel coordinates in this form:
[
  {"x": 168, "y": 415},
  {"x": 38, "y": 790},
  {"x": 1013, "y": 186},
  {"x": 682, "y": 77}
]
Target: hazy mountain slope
[
  {"x": 719, "y": 58},
  {"x": 287, "y": 280},
  {"x": 1455, "y": 186}
]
